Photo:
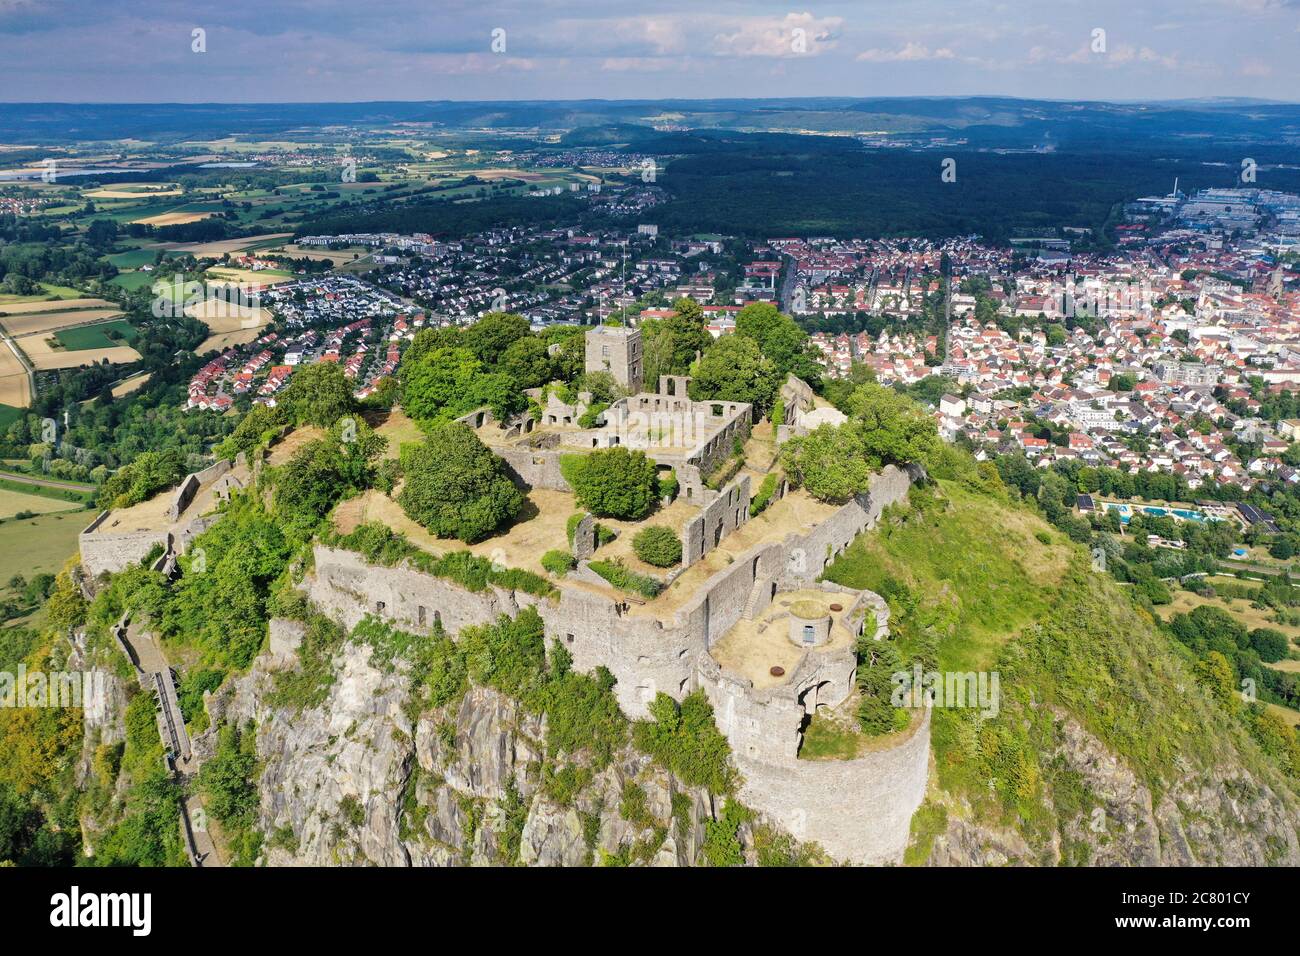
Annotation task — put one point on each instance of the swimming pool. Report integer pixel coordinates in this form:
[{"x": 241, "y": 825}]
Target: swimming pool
[{"x": 1183, "y": 514}]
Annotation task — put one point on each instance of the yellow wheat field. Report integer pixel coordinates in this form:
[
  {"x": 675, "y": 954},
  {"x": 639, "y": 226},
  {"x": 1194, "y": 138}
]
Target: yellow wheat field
[{"x": 37, "y": 322}]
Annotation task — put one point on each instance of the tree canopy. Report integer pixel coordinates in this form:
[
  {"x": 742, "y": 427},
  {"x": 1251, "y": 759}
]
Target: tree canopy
[
  {"x": 734, "y": 370},
  {"x": 454, "y": 485},
  {"x": 319, "y": 394},
  {"x": 613, "y": 482}
]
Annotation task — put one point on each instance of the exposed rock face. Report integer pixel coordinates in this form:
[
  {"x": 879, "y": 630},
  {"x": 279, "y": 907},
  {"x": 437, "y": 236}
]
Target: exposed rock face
[
  {"x": 1224, "y": 819},
  {"x": 356, "y": 781},
  {"x": 104, "y": 716}
]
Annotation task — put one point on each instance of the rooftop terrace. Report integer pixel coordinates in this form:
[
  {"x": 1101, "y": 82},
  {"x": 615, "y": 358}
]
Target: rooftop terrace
[{"x": 752, "y": 648}]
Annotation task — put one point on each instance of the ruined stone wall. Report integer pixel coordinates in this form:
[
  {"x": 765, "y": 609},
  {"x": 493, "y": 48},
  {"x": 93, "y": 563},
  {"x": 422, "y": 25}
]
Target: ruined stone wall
[
  {"x": 183, "y": 495},
  {"x": 347, "y": 588},
  {"x": 643, "y": 654},
  {"x": 808, "y": 555},
  {"x": 533, "y": 467},
  {"x": 797, "y": 397},
  {"x": 860, "y": 810},
  {"x": 735, "y": 421},
  {"x": 112, "y": 552},
  {"x": 721, "y": 516}
]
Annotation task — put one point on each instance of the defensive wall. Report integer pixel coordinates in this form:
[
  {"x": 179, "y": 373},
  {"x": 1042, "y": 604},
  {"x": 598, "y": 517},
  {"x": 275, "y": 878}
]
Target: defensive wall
[{"x": 845, "y": 805}]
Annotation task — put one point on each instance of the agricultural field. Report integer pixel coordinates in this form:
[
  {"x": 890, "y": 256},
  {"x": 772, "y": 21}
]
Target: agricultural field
[
  {"x": 42, "y": 323},
  {"x": 96, "y": 336},
  {"x": 15, "y": 502},
  {"x": 172, "y": 218},
  {"x": 317, "y": 254},
  {"x": 133, "y": 191},
  {"x": 15, "y": 387},
  {"x": 134, "y": 258},
  {"x": 222, "y": 316},
  {"x": 221, "y": 247},
  {"x": 249, "y": 278},
  {"x": 49, "y": 290},
  {"x": 131, "y": 281},
  {"x": 41, "y": 544}
]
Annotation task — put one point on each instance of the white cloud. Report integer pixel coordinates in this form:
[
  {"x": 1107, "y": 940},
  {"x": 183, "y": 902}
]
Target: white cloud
[
  {"x": 910, "y": 52},
  {"x": 795, "y": 34}
]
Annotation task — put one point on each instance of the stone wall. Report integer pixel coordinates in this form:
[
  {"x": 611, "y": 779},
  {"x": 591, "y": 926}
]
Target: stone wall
[
  {"x": 734, "y": 421},
  {"x": 717, "y": 519},
  {"x": 347, "y": 588},
  {"x": 111, "y": 553},
  {"x": 584, "y": 538},
  {"x": 808, "y": 555},
  {"x": 860, "y": 811},
  {"x": 534, "y": 466},
  {"x": 182, "y": 496},
  {"x": 797, "y": 397},
  {"x": 643, "y": 655}
]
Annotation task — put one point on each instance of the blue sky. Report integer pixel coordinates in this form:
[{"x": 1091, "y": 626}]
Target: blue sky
[{"x": 314, "y": 50}]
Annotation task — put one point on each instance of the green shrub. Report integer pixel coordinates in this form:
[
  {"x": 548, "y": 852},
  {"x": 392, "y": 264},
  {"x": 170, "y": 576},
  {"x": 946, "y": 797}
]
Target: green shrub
[
  {"x": 766, "y": 490},
  {"x": 617, "y": 574},
  {"x": 558, "y": 562},
  {"x": 588, "y": 418},
  {"x": 658, "y": 545},
  {"x": 456, "y": 487},
  {"x": 381, "y": 545},
  {"x": 724, "y": 473},
  {"x": 684, "y": 739},
  {"x": 668, "y": 485}
]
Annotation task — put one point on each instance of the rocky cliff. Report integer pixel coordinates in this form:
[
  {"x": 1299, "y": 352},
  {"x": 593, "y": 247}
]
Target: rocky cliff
[
  {"x": 361, "y": 780},
  {"x": 1224, "y": 818}
]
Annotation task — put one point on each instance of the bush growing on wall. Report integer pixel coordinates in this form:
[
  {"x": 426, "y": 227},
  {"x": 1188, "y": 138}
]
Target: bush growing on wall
[{"x": 558, "y": 562}]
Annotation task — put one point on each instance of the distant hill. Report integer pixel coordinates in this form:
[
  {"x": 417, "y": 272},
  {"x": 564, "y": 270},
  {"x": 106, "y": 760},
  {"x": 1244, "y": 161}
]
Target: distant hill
[{"x": 1000, "y": 122}]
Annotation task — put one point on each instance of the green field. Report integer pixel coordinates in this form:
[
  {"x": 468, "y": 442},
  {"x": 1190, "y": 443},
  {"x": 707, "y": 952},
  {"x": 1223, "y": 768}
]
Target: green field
[
  {"x": 133, "y": 258},
  {"x": 133, "y": 280},
  {"x": 17, "y": 502},
  {"x": 9, "y": 414},
  {"x": 51, "y": 290},
  {"x": 34, "y": 545},
  {"x": 95, "y": 336}
]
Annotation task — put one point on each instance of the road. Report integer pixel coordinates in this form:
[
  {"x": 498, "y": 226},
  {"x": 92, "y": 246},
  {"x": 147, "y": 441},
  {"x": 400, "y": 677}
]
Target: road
[{"x": 48, "y": 482}]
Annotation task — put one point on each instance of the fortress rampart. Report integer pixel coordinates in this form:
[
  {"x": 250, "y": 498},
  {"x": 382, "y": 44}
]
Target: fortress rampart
[{"x": 859, "y": 810}]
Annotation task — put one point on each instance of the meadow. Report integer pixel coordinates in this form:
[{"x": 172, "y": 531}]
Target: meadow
[
  {"x": 96, "y": 336},
  {"x": 41, "y": 544}
]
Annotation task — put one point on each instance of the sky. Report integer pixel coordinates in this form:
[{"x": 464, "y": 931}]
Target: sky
[{"x": 357, "y": 50}]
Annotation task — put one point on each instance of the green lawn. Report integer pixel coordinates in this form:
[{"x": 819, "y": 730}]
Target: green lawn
[
  {"x": 96, "y": 336},
  {"x": 134, "y": 258},
  {"x": 9, "y": 414}
]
